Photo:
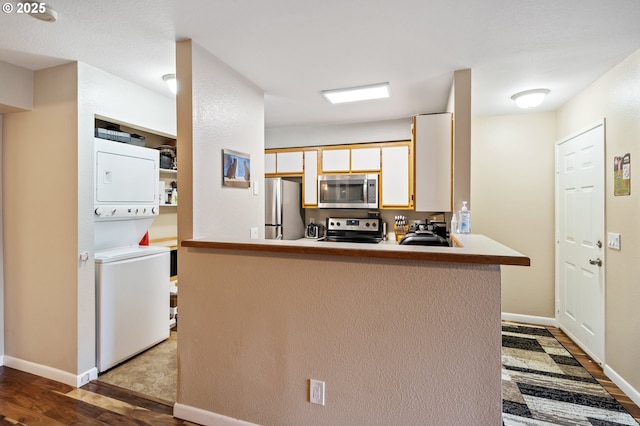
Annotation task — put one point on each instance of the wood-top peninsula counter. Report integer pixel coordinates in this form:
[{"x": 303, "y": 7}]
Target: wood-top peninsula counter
[
  {"x": 470, "y": 248},
  {"x": 402, "y": 335}
]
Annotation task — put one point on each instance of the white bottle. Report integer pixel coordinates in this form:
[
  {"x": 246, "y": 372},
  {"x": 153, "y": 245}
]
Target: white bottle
[
  {"x": 465, "y": 219},
  {"x": 454, "y": 224}
]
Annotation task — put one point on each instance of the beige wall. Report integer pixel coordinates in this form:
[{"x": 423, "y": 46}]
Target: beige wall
[
  {"x": 48, "y": 214},
  {"x": 16, "y": 88},
  {"x": 1, "y": 251},
  {"x": 460, "y": 105},
  {"x": 512, "y": 201},
  {"x": 392, "y": 339},
  {"x": 616, "y": 97},
  {"x": 40, "y": 198}
]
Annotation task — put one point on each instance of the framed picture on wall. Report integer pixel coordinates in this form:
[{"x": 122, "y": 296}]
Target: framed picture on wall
[{"x": 236, "y": 169}]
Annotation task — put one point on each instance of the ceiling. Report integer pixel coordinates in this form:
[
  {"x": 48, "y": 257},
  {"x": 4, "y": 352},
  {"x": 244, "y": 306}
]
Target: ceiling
[{"x": 293, "y": 49}]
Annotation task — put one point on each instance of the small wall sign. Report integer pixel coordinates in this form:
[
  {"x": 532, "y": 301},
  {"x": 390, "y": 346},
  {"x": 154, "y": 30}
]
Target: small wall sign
[
  {"x": 236, "y": 169},
  {"x": 622, "y": 175}
]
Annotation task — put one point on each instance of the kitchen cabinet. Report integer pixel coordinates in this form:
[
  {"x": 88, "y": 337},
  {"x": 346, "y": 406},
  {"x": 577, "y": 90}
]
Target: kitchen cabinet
[
  {"x": 283, "y": 162},
  {"x": 289, "y": 162},
  {"x": 336, "y": 160},
  {"x": 310, "y": 179},
  {"x": 432, "y": 136},
  {"x": 365, "y": 159},
  {"x": 395, "y": 176},
  {"x": 270, "y": 163}
]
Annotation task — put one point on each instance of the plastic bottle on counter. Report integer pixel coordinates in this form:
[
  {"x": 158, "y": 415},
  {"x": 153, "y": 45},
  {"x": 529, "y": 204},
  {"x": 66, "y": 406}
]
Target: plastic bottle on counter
[
  {"x": 465, "y": 219},
  {"x": 454, "y": 224},
  {"x": 174, "y": 196}
]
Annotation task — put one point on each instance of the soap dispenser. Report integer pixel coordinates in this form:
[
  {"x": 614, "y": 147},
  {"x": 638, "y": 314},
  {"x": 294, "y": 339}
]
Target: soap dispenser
[{"x": 465, "y": 219}]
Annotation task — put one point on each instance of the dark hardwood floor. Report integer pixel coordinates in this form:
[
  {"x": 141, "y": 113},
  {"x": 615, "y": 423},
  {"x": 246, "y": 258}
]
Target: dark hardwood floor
[
  {"x": 29, "y": 400},
  {"x": 596, "y": 371}
]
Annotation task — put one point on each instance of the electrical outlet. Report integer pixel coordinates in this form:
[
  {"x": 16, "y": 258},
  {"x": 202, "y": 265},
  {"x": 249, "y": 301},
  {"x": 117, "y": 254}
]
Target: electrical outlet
[
  {"x": 316, "y": 392},
  {"x": 254, "y": 233},
  {"x": 613, "y": 241}
]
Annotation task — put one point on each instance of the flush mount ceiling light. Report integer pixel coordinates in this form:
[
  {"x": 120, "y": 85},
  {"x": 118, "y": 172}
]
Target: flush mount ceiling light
[
  {"x": 360, "y": 93},
  {"x": 530, "y": 98},
  {"x": 41, "y": 11},
  {"x": 171, "y": 81}
]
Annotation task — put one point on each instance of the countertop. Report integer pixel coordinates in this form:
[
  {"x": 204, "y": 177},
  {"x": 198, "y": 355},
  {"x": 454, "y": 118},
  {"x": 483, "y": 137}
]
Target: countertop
[{"x": 473, "y": 248}]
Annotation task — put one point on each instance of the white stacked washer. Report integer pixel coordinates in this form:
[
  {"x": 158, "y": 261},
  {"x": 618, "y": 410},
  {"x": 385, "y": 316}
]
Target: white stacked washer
[{"x": 132, "y": 281}]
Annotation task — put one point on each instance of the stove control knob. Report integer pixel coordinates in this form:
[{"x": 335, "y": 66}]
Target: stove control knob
[
  {"x": 154, "y": 210},
  {"x": 99, "y": 211}
]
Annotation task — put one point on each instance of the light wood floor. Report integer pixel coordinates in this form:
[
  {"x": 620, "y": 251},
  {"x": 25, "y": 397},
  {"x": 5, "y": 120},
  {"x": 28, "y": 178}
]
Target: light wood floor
[{"x": 28, "y": 400}]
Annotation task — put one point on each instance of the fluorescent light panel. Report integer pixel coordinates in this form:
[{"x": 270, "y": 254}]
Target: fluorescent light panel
[{"x": 354, "y": 94}]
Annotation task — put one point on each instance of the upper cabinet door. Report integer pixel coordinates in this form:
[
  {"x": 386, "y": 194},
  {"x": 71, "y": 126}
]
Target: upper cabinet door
[
  {"x": 289, "y": 162},
  {"x": 433, "y": 156},
  {"x": 365, "y": 159},
  {"x": 395, "y": 176},
  {"x": 335, "y": 160},
  {"x": 269, "y": 163},
  {"x": 310, "y": 179}
]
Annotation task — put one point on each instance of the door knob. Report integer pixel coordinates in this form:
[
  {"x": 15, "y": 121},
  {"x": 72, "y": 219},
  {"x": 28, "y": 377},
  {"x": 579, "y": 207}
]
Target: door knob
[
  {"x": 599, "y": 244},
  {"x": 597, "y": 261}
]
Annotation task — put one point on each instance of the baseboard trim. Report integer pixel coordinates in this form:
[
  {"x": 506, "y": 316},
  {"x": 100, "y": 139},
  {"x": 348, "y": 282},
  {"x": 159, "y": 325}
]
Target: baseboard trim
[
  {"x": 530, "y": 319},
  {"x": 206, "y": 418},
  {"x": 50, "y": 372},
  {"x": 624, "y": 386}
]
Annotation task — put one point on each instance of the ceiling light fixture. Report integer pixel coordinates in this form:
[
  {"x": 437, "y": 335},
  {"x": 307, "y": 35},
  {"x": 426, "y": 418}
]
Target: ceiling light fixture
[
  {"x": 530, "y": 98},
  {"x": 171, "y": 81},
  {"x": 41, "y": 11},
  {"x": 360, "y": 93}
]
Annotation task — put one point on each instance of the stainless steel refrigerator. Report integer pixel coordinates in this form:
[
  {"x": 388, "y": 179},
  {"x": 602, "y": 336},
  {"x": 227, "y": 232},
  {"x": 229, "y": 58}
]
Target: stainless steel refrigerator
[{"x": 283, "y": 209}]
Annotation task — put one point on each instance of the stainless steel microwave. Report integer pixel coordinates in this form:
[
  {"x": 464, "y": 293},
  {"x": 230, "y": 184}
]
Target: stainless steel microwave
[{"x": 348, "y": 191}]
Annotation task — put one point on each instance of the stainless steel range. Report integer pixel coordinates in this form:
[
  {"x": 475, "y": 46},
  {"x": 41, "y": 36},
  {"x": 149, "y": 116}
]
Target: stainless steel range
[{"x": 354, "y": 230}]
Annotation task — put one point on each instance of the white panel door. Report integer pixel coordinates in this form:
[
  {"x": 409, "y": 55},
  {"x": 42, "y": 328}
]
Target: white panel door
[{"x": 580, "y": 232}]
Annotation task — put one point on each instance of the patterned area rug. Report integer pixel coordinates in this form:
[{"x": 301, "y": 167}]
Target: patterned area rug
[{"x": 542, "y": 384}]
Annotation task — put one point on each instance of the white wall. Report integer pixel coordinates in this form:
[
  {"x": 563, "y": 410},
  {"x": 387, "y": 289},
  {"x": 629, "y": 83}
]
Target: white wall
[
  {"x": 379, "y": 131},
  {"x": 228, "y": 113},
  {"x": 512, "y": 201}
]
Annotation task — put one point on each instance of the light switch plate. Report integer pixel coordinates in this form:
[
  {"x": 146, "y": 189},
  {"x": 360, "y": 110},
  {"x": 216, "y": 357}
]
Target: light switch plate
[
  {"x": 613, "y": 241},
  {"x": 254, "y": 233}
]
